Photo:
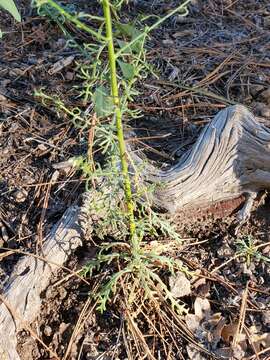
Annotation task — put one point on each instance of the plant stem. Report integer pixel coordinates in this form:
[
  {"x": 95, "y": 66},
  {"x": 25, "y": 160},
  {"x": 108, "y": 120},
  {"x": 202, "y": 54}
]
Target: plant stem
[
  {"x": 154, "y": 26},
  {"x": 74, "y": 19},
  {"x": 119, "y": 126}
]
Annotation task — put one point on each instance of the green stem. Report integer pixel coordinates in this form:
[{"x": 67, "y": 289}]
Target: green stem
[
  {"x": 74, "y": 19},
  {"x": 119, "y": 125},
  {"x": 154, "y": 26}
]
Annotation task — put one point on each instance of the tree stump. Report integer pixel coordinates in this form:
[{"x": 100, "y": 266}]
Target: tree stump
[{"x": 231, "y": 157}]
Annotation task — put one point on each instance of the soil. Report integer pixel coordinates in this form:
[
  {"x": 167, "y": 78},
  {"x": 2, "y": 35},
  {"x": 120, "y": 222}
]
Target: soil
[{"x": 222, "y": 51}]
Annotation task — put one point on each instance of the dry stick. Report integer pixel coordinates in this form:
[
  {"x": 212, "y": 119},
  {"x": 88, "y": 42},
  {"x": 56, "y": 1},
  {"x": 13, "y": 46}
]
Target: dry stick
[
  {"x": 260, "y": 353},
  {"x": 242, "y": 316},
  {"x": 139, "y": 335},
  {"x": 183, "y": 106},
  {"x": 91, "y": 135},
  {"x": 80, "y": 323},
  {"x": 26, "y": 326},
  {"x": 195, "y": 90},
  {"x": 215, "y": 71},
  {"x": 129, "y": 352},
  {"x": 235, "y": 257},
  {"x": 179, "y": 324},
  {"x": 251, "y": 342},
  {"x": 131, "y": 323},
  {"x": 215, "y": 278},
  {"x": 224, "y": 264},
  {"x": 42, "y": 218}
]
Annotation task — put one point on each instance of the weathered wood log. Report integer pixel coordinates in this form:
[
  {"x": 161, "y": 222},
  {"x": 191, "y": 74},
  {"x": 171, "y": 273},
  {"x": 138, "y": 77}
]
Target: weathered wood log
[
  {"x": 231, "y": 157},
  {"x": 30, "y": 277}
]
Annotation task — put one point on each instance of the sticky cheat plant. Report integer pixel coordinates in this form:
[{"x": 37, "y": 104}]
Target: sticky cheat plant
[{"x": 110, "y": 85}]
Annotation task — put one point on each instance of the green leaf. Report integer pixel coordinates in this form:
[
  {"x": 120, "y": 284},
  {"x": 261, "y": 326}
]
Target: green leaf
[
  {"x": 122, "y": 43},
  {"x": 103, "y": 102},
  {"x": 127, "y": 69},
  {"x": 129, "y": 30},
  {"x": 132, "y": 32},
  {"x": 10, "y": 6}
]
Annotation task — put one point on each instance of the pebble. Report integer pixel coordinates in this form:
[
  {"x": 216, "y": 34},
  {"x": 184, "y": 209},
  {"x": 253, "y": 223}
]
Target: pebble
[
  {"x": 167, "y": 42},
  {"x": 42, "y": 147},
  {"x": 47, "y": 330},
  {"x": 63, "y": 327},
  {"x": 69, "y": 75},
  {"x": 224, "y": 251},
  {"x": 62, "y": 293},
  {"x": 179, "y": 285},
  {"x": 20, "y": 195}
]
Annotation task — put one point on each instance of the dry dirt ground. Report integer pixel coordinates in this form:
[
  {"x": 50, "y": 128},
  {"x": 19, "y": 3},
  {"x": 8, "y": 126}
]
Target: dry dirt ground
[{"x": 223, "y": 50}]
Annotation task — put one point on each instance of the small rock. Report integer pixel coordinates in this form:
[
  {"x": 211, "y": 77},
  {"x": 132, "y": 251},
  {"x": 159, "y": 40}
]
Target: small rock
[
  {"x": 63, "y": 327},
  {"x": 51, "y": 292},
  {"x": 265, "y": 95},
  {"x": 14, "y": 127},
  {"x": 42, "y": 147},
  {"x": 224, "y": 251},
  {"x": 3, "y": 231},
  {"x": 69, "y": 75},
  {"x": 224, "y": 353},
  {"x": 62, "y": 293},
  {"x": 4, "y": 83},
  {"x": 179, "y": 285},
  {"x": 32, "y": 60},
  {"x": 47, "y": 330},
  {"x": 167, "y": 42},
  {"x": 20, "y": 195}
]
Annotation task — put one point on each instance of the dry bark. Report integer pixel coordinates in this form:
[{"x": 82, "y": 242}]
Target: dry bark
[
  {"x": 231, "y": 157},
  {"x": 30, "y": 277}
]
